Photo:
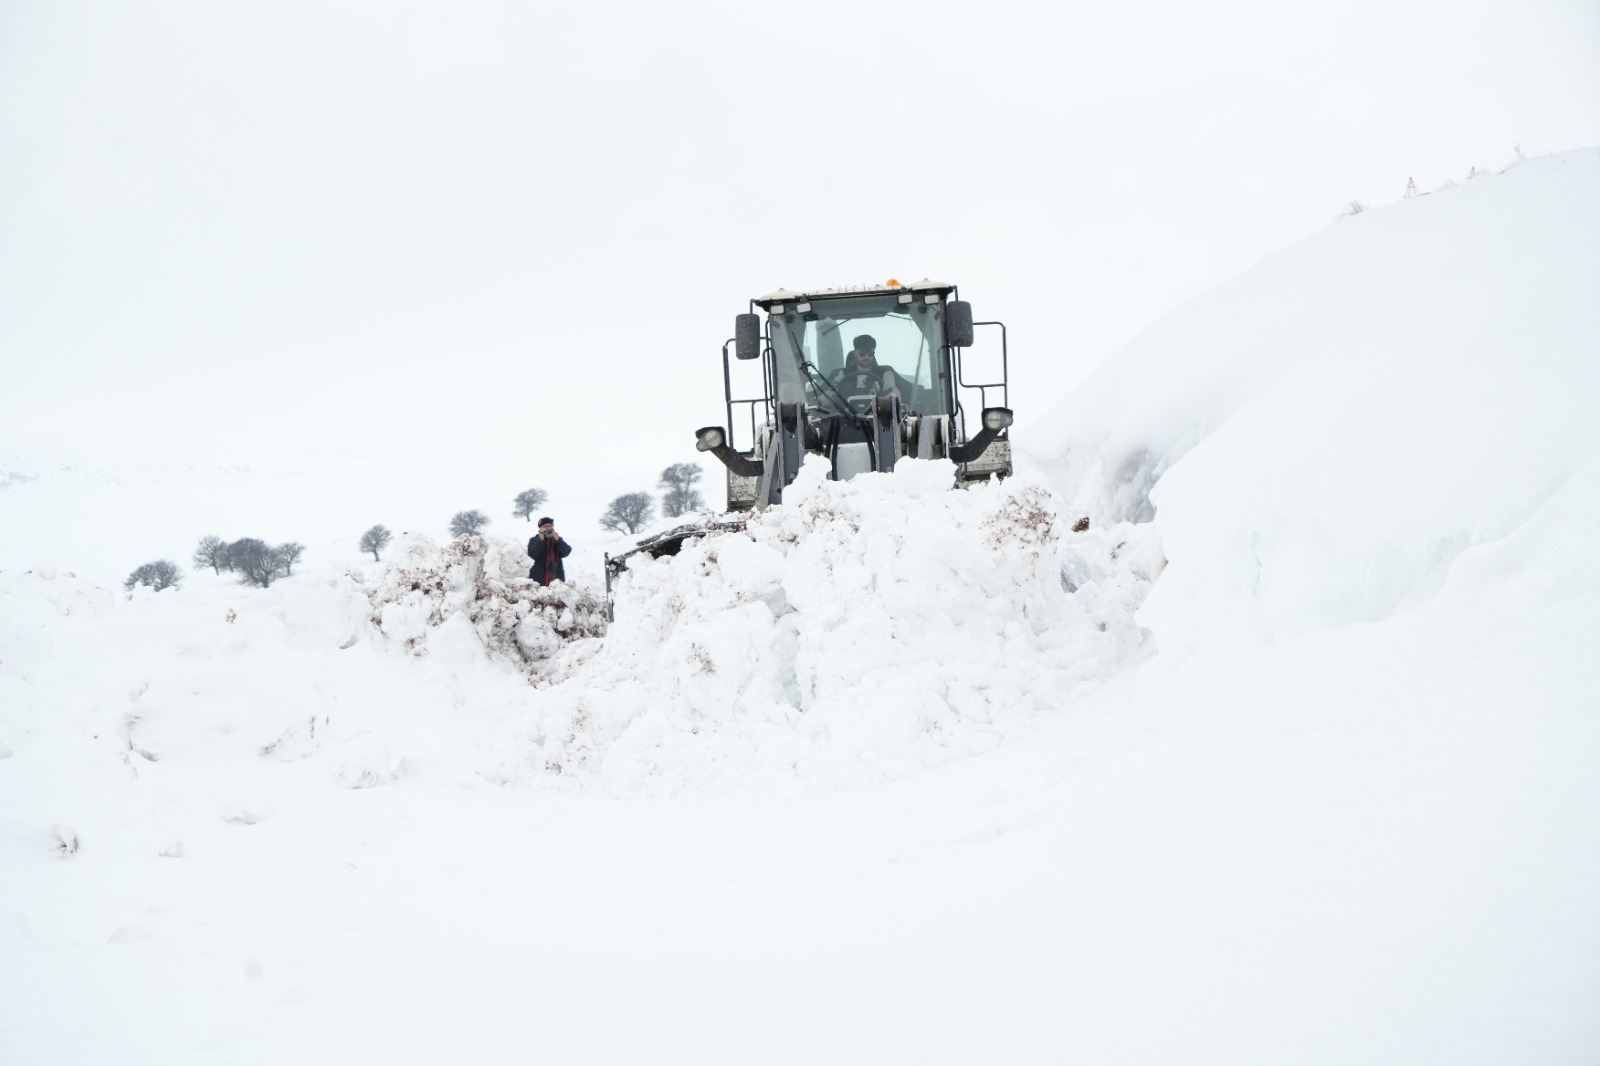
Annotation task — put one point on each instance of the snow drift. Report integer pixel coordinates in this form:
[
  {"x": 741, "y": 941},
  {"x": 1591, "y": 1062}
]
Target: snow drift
[
  {"x": 863, "y": 631},
  {"x": 1319, "y": 789},
  {"x": 1331, "y": 429}
]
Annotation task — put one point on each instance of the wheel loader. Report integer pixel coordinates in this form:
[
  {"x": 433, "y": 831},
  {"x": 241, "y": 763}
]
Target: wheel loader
[{"x": 862, "y": 377}]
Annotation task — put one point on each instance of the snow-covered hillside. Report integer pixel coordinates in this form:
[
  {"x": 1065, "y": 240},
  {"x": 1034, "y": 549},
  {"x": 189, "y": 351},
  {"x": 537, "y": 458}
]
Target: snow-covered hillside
[
  {"x": 1287, "y": 756},
  {"x": 1335, "y": 426}
]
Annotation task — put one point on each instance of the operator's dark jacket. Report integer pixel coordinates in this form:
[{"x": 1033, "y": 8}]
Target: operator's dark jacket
[{"x": 547, "y": 556}]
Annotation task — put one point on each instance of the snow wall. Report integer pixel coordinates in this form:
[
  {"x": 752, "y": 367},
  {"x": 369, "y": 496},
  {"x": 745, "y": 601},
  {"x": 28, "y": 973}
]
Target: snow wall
[
  {"x": 861, "y": 633},
  {"x": 1318, "y": 439},
  {"x": 1313, "y": 445}
]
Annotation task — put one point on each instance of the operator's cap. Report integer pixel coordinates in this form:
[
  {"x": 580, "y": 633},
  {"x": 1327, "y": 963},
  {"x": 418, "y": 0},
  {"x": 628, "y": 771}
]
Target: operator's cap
[
  {"x": 547, "y": 521},
  {"x": 865, "y": 343}
]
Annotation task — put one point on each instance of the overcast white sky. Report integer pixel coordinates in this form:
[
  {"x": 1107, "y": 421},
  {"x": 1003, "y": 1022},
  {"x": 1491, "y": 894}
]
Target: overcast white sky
[{"x": 526, "y": 228}]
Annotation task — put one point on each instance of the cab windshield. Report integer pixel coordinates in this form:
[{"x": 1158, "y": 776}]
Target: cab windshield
[{"x": 816, "y": 360}]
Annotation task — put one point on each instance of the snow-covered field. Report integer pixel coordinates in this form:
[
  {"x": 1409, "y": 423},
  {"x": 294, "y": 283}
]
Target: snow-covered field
[{"x": 1288, "y": 757}]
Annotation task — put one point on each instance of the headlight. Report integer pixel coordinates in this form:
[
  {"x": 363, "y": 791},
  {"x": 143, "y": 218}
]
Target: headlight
[
  {"x": 994, "y": 418},
  {"x": 711, "y": 438}
]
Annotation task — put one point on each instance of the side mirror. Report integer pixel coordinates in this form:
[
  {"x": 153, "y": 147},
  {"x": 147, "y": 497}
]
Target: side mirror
[
  {"x": 747, "y": 336},
  {"x": 958, "y": 324}
]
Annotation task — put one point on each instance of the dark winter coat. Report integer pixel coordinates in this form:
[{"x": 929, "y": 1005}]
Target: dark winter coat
[
  {"x": 872, "y": 382},
  {"x": 547, "y": 556}
]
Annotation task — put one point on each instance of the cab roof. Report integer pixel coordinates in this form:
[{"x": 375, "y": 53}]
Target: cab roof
[{"x": 925, "y": 287}]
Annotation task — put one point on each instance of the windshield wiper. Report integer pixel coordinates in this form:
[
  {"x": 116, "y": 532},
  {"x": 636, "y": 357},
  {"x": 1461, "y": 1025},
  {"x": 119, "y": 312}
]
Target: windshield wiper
[
  {"x": 826, "y": 390},
  {"x": 823, "y": 386}
]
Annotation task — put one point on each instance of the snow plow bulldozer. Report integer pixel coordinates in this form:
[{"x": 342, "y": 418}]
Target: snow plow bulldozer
[{"x": 862, "y": 377}]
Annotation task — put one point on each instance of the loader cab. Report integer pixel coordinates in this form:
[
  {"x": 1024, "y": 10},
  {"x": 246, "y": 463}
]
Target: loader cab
[
  {"x": 812, "y": 343},
  {"x": 862, "y": 377}
]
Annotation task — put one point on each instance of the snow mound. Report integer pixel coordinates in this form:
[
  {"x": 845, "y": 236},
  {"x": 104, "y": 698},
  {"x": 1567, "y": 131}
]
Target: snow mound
[
  {"x": 479, "y": 583},
  {"x": 861, "y": 632},
  {"x": 1320, "y": 438}
]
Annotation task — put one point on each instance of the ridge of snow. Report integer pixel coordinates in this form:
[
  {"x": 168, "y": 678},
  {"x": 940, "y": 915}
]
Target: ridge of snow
[
  {"x": 860, "y": 632},
  {"x": 1319, "y": 438}
]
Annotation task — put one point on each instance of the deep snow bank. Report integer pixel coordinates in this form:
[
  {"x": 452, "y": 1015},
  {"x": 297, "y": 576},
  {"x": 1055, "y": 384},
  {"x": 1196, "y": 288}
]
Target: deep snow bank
[
  {"x": 861, "y": 632},
  {"x": 1361, "y": 761},
  {"x": 1332, "y": 428}
]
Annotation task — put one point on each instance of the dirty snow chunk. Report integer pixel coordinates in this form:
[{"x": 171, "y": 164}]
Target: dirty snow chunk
[
  {"x": 481, "y": 581},
  {"x": 861, "y": 632}
]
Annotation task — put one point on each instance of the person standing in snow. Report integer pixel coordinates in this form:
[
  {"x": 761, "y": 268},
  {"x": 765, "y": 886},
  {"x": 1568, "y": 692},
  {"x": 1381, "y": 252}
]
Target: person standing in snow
[{"x": 547, "y": 549}]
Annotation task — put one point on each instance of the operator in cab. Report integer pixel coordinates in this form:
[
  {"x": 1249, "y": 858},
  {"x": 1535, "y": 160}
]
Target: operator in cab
[{"x": 861, "y": 373}]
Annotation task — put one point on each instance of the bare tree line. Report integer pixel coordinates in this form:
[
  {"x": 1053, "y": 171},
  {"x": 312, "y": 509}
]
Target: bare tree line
[
  {"x": 254, "y": 560},
  {"x": 260, "y": 564}
]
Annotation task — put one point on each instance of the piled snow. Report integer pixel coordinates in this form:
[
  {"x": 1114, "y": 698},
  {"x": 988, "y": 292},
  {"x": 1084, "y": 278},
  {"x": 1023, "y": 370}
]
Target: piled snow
[
  {"x": 1331, "y": 429},
  {"x": 861, "y": 632},
  {"x": 1306, "y": 768},
  {"x": 480, "y": 583}
]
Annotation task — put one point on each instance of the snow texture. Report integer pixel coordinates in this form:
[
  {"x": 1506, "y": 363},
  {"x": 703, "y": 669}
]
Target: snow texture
[
  {"x": 864, "y": 631},
  {"x": 1254, "y": 721}
]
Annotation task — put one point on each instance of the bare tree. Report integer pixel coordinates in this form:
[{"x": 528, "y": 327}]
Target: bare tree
[
  {"x": 212, "y": 552},
  {"x": 681, "y": 496},
  {"x": 288, "y": 555},
  {"x": 629, "y": 512},
  {"x": 163, "y": 574},
  {"x": 529, "y": 501},
  {"x": 375, "y": 540},
  {"x": 256, "y": 563},
  {"x": 468, "y": 522}
]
